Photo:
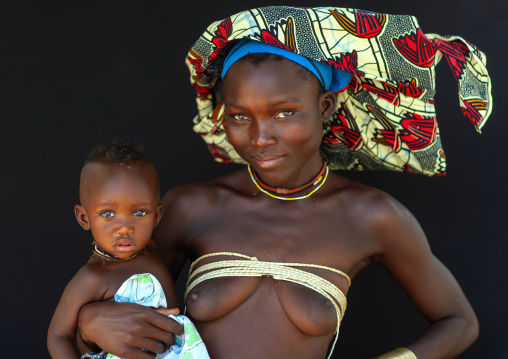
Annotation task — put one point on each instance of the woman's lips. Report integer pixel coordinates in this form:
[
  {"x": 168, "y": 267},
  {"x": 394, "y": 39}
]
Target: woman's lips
[{"x": 267, "y": 161}]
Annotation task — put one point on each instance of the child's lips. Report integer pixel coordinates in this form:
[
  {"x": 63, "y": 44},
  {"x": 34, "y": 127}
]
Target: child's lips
[{"x": 124, "y": 246}]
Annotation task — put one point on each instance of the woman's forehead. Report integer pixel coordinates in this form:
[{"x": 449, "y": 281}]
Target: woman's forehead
[
  {"x": 281, "y": 74},
  {"x": 284, "y": 66}
]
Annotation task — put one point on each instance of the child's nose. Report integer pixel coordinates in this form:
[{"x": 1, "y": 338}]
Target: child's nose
[{"x": 124, "y": 228}]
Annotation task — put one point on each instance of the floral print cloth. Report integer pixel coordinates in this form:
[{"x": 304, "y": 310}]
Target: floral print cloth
[
  {"x": 146, "y": 290},
  {"x": 385, "y": 118}
]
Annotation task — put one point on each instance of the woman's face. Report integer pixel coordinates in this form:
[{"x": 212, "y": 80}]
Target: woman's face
[{"x": 274, "y": 120}]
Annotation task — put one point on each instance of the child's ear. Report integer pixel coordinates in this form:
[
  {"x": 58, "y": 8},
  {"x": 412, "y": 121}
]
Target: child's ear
[
  {"x": 328, "y": 105},
  {"x": 82, "y": 217},
  {"x": 158, "y": 215}
]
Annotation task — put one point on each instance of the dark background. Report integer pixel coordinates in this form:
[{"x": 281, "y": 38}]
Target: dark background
[{"x": 74, "y": 74}]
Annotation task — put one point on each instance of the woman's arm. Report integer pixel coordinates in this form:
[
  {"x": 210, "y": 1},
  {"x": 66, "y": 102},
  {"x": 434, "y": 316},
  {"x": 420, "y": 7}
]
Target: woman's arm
[
  {"x": 124, "y": 329},
  {"x": 83, "y": 288},
  {"x": 405, "y": 253}
]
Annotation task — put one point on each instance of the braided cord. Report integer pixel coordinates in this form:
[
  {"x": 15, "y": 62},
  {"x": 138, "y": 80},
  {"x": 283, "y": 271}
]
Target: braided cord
[
  {"x": 281, "y": 263},
  {"x": 276, "y": 270}
]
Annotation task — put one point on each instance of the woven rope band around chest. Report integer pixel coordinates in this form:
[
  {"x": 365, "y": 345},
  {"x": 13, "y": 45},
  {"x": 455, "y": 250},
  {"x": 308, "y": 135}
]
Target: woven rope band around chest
[{"x": 278, "y": 271}]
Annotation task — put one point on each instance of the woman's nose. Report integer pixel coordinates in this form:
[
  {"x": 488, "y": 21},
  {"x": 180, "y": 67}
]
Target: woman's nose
[{"x": 262, "y": 134}]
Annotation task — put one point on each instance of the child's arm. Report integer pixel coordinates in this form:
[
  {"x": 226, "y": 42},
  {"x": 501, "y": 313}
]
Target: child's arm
[
  {"x": 85, "y": 287},
  {"x": 165, "y": 278}
]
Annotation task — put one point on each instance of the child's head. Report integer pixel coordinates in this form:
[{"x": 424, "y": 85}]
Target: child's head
[{"x": 119, "y": 194}]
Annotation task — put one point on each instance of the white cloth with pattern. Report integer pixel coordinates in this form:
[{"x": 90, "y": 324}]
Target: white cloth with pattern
[{"x": 146, "y": 290}]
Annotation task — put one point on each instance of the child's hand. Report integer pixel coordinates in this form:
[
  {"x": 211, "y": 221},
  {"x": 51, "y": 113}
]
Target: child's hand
[{"x": 167, "y": 311}]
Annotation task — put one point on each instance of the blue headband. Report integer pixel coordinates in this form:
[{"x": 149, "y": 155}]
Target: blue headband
[{"x": 330, "y": 77}]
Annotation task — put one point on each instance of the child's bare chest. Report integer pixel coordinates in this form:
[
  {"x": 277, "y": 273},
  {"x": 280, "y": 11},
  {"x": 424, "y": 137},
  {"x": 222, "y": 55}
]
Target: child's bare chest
[{"x": 114, "y": 274}]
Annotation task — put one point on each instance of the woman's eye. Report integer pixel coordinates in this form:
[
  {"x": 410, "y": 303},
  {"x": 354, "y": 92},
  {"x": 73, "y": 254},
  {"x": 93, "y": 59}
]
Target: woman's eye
[
  {"x": 140, "y": 213},
  {"x": 107, "y": 214},
  {"x": 240, "y": 117},
  {"x": 284, "y": 114}
]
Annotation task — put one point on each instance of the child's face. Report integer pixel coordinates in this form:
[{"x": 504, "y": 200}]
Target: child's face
[{"x": 120, "y": 206}]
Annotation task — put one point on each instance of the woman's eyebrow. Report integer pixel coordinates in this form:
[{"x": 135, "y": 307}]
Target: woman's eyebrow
[
  {"x": 276, "y": 103},
  {"x": 270, "y": 104},
  {"x": 226, "y": 104},
  {"x": 284, "y": 101}
]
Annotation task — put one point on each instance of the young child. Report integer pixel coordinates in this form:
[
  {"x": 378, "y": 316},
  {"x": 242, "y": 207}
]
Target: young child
[{"x": 119, "y": 194}]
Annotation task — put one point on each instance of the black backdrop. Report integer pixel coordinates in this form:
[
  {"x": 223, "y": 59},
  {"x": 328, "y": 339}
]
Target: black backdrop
[{"x": 76, "y": 73}]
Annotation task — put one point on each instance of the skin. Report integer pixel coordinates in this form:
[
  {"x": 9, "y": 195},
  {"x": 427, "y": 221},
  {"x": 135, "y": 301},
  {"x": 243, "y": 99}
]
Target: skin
[
  {"x": 120, "y": 205},
  {"x": 274, "y": 120}
]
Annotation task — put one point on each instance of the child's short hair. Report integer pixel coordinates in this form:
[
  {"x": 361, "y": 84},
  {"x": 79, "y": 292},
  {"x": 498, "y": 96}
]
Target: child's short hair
[{"x": 117, "y": 151}]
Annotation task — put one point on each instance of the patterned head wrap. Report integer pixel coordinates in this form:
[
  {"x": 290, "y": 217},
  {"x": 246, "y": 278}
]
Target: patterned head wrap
[
  {"x": 385, "y": 117},
  {"x": 330, "y": 77}
]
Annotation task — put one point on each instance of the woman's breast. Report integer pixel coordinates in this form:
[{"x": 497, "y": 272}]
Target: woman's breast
[{"x": 307, "y": 309}]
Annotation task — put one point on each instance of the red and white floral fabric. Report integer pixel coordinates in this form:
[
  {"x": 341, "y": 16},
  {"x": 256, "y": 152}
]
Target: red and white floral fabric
[{"x": 385, "y": 118}]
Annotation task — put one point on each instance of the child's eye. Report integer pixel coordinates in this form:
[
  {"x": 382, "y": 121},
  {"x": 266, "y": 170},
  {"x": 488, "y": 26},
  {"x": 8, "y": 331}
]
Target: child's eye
[
  {"x": 107, "y": 214},
  {"x": 140, "y": 213},
  {"x": 284, "y": 114}
]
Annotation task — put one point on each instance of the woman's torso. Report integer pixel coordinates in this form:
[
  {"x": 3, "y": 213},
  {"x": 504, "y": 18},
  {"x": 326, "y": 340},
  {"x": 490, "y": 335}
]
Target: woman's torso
[{"x": 259, "y": 315}]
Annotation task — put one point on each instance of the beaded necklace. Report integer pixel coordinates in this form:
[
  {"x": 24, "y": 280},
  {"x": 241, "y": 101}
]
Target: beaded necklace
[
  {"x": 100, "y": 253},
  {"x": 286, "y": 191},
  {"x": 319, "y": 181}
]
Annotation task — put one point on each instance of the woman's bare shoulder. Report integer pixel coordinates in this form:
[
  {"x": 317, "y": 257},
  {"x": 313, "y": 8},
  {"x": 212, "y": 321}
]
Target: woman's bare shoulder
[
  {"x": 207, "y": 193},
  {"x": 187, "y": 205},
  {"x": 389, "y": 226},
  {"x": 359, "y": 195},
  {"x": 373, "y": 207}
]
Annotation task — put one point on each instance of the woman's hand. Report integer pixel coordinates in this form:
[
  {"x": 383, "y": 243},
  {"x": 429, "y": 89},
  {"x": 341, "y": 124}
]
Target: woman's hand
[{"x": 124, "y": 329}]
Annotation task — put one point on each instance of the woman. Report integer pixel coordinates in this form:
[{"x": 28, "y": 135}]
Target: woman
[{"x": 277, "y": 244}]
